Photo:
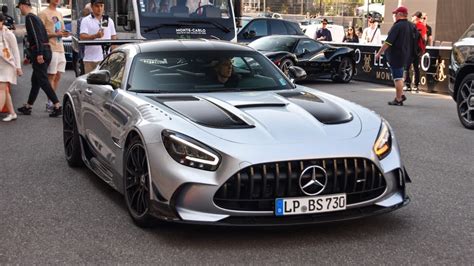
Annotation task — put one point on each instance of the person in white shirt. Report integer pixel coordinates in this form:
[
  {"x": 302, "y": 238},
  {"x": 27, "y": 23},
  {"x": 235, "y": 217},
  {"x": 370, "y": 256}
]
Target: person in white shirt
[
  {"x": 93, "y": 27},
  {"x": 371, "y": 34}
]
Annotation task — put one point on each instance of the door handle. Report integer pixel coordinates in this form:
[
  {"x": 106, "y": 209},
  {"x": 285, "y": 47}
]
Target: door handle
[{"x": 89, "y": 91}]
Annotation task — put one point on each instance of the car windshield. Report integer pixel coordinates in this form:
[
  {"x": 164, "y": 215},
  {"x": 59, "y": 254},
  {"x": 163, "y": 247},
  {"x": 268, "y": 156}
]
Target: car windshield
[
  {"x": 184, "y": 8},
  {"x": 204, "y": 71},
  {"x": 274, "y": 44}
]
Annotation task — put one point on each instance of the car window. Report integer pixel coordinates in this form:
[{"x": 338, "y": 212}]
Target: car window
[
  {"x": 309, "y": 45},
  {"x": 204, "y": 71},
  {"x": 115, "y": 64},
  {"x": 278, "y": 27},
  {"x": 274, "y": 44},
  {"x": 259, "y": 27},
  {"x": 293, "y": 29}
]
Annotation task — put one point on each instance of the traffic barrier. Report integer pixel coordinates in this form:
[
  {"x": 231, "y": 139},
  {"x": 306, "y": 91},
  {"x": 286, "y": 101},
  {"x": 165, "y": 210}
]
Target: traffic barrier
[{"x": 433, "y": 66}]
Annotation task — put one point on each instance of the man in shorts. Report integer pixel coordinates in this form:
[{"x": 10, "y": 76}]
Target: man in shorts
[
  {"x": 54, "y": 23},
  {"x": 94, "y": 27},
  {"x": 399, "y": 46}
]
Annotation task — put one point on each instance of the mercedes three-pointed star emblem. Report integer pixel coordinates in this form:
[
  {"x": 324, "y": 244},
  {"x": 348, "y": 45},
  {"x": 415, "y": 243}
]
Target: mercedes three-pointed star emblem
[{"x": 313, "y": 180}]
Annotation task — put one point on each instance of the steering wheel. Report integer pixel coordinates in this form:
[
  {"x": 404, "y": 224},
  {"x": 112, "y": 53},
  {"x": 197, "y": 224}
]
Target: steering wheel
[{"x": 203, "y": 7}]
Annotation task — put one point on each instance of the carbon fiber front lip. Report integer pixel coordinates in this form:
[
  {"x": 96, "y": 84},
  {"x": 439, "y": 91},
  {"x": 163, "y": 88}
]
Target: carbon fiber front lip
[{"x": 271, "y": 221}]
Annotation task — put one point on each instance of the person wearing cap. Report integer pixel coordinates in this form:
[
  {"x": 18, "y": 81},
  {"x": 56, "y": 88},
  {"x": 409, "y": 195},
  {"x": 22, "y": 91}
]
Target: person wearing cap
[
  {"x": 399, "y": 50},
  {"x": 54, "y": 23},
  {"x": 96, "y": 26},
  {"x": 371, "y": 34},
  {"x": 324, "y": 34},
  {"x": 40, "y": 51},
  {"x": 416, "y": 19}
]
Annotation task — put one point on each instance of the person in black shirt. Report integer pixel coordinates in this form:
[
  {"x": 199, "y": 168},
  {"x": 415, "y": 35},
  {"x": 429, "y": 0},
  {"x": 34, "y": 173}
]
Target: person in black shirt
[
  {"x": 429, "y": 31},
  {"x": 324, "y": 34},
  {"x": 9, "y": 21},
  {"x": 40, "y": 57},
  {"x": 350, "y": 36},
  {"x": 399, "y": 46},
  {"x": 223, "y": 73}
]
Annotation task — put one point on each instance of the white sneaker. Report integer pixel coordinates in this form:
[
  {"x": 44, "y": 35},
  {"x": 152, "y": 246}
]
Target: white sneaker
[{"x": 9, "y": 118}]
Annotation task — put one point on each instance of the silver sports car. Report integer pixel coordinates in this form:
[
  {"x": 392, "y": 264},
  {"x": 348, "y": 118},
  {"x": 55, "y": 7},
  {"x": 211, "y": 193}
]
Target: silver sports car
[{"x": 212, "y": 132}]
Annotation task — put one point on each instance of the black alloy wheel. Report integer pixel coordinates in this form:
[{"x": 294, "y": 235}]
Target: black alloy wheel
[
  {"x": 137, "y": 183},
  {"x": 345, "y": 71},
  {"x": 285, "y": 66},
  {"x": 72, "y": 146},
  {"x": 465, "y": 101}
]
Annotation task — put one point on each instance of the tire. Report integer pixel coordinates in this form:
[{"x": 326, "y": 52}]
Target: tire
[
  {"x": 72, "y": 146},
  {"x": 345, "y": 71},
  {"x": 465, "y": 101},
  {"x": 285, "y": 66},
  {"x": 136, "y": 180}
]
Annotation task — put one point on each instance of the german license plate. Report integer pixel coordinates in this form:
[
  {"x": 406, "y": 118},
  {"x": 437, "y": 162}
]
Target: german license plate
[{"x": 307, "y": 205}]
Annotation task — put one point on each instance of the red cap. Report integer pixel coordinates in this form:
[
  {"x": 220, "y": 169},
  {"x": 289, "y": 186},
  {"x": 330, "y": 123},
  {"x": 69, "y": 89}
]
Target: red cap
[{"x": 400, "y": 9}]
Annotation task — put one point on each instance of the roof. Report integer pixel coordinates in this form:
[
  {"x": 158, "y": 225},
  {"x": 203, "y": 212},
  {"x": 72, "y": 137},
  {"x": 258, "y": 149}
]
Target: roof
[{"x": 190, "y": 44}]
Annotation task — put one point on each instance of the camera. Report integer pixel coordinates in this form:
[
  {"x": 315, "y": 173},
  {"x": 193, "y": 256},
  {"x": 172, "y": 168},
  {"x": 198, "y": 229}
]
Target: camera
[{"x": 105, "y": 22}]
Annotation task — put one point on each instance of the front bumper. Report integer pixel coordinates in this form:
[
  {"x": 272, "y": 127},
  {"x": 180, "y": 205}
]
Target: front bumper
[{"x": 338, "y": 216}]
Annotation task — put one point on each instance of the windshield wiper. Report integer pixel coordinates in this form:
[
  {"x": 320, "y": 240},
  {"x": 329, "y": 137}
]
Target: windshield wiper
[
  {"x": 215, "y": 24},
  {"x": 165, "y": 25}
]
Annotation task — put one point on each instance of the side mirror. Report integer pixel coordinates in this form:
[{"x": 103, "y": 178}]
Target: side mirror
[
  {"x": 297, "y": 73},
  {"x": 101, "y": 77},
  {"x": 252, "y": 34},
  {"x": 305, "y": 51}
]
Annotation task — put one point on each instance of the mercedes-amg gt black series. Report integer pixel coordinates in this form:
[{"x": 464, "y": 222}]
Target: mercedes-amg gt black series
[
  {"x": 319, "y": 60},
  {"x": 200, "y": 131},
  {"x": 461, "y": 77}
]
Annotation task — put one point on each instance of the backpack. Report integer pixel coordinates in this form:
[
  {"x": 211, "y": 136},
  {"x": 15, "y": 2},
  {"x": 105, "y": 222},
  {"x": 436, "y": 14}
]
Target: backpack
[{"x": 418, "y": 45}]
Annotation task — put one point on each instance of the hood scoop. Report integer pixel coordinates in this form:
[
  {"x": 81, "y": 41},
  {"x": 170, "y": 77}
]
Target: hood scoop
[
  {"x": 325, "y": 111},
  {"x": 202, "y": 112},
  {"x": 257, "y": 105}
]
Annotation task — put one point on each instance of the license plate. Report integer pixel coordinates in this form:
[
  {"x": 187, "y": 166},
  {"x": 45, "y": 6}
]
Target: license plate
[{"x": 307, "y": 205}]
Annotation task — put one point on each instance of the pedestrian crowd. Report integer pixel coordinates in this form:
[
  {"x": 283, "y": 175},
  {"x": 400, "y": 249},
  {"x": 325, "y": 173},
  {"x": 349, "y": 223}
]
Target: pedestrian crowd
[
  {"x": 46, "y": 51},
  {"x": 405, "y": 44}
]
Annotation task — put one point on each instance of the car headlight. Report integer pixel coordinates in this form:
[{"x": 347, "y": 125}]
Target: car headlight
[
  {"x": 383, "y": 144},
  {"x": 190, "y": 152}
]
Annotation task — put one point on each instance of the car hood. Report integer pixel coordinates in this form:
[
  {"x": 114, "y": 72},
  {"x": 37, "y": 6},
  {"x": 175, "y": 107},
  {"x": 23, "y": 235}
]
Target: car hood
[{"x": 296, "y": 116}]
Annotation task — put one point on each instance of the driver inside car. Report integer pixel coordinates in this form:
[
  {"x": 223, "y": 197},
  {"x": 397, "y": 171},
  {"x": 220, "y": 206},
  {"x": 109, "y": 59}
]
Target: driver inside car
[{"x": 223, "y": 73}]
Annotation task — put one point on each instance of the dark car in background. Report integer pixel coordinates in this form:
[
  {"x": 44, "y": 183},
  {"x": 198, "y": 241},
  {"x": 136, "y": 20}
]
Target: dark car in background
[
  {"x": 256, "y": 28},
  {"x": 461, "y": 77},
  {"x": 319, "y": 60}
]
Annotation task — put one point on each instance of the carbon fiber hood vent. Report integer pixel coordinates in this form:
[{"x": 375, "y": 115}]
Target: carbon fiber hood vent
[
  {"x": 325, "y": 111},
  {"x": 202, "y": 112}
]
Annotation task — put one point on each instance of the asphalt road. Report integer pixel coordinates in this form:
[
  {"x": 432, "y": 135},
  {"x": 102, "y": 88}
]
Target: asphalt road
[{"x": 51, "y": 214}]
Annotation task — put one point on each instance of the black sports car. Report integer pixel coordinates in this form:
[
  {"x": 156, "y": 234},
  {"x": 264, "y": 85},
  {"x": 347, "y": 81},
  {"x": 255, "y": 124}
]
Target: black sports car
[
  {"x": 319, "y": 60},
  {"x": 461, "y": 77}
]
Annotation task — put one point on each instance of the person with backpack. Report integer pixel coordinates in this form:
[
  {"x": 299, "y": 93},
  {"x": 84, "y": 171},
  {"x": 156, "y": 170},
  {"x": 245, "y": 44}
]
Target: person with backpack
[
  {"x": 399, "y": 46},
  {"x": 420, "y": 36}
]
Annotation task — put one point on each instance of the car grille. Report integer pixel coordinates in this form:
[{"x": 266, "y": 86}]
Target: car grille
[{"x": 256, "y": 187}]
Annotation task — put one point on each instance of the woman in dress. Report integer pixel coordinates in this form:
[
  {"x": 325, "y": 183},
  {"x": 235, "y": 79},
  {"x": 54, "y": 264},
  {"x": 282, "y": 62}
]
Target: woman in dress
[
  {"x": 351, "y": 36},
  {"x": 10, "y": 68}
]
